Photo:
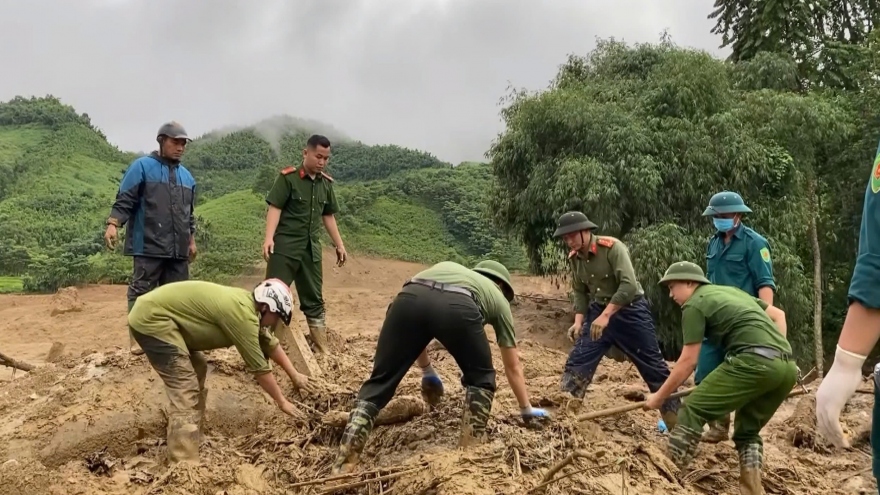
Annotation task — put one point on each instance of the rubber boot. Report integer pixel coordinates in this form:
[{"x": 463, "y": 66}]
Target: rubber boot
[
  {"x": 360, "y": 424},
  {"x": 750, "y": 464},
  {"x": 318, "y": 333},
  {"x": 133, "y": 346},
  {"x": 670, "y": 418},
  {"x": 183, "y": 437},
  {"x": 475, "y": 417},
  {"x": 718, "y": 430},
  {"x": 616, "y": 354}
]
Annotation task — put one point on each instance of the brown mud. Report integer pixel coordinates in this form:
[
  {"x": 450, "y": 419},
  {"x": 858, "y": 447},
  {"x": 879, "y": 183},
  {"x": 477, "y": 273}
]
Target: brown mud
[{"x": 90, "y": 420}]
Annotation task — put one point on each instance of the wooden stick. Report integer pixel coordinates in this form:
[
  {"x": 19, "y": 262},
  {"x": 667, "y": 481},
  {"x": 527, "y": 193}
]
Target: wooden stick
[
  {"x": 613, "y": 411},
  {"x": 542, "y": 298},
  {"x": 367, "y": 482},
  {"x": 349, "y": 475},
  {"x": 12, "y": 363}
]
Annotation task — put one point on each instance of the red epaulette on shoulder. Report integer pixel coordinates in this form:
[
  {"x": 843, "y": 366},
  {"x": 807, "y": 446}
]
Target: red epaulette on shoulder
[
  {"x": 288, "y": 170},
  {"x": 327, "y": 176},
  {"x": 605, "y": 242}
]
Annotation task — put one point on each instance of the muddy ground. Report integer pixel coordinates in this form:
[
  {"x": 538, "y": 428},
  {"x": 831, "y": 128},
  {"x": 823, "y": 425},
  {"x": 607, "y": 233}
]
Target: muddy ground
[{"x": 90, "y": 419}]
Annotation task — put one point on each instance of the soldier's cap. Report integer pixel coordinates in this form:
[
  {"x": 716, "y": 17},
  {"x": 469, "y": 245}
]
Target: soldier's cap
[
  {"x": 497, "y": 272},
  {"x": 174, "y": 130},
  {"x": 726, "y": 202},
  {"x": 684, "y": 271},
  {"x": 573, "y": 221}
]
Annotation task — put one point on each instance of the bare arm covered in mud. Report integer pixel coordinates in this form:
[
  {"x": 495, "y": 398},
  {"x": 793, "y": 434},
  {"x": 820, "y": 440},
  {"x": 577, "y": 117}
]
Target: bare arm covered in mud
[{"x": 514, "y": 373}]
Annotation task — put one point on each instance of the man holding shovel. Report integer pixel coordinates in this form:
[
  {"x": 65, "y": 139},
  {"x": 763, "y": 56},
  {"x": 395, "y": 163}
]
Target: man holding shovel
[
  {"x": 618, "y": 315},
  {"x": 755, "y": 378}
]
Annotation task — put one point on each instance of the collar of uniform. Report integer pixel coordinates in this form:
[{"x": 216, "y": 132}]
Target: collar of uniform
[
  {"x": 593, "y": 249},
  {"x": 738, "y": 231},
  {"x": 303, "y": 174}
]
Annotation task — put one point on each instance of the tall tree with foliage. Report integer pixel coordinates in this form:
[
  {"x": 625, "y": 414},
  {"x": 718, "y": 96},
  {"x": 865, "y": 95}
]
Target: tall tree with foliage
[{"x": 639, "y": 138}]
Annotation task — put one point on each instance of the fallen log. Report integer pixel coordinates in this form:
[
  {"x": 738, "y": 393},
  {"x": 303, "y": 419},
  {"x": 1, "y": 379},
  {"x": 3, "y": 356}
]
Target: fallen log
[
  {"x": 13, "y": 363},
  {"x": 399, "y": 410}
]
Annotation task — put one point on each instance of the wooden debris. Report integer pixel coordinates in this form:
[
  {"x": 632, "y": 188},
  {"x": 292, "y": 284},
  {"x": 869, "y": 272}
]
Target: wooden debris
[
  {"x": 298, "y": 351},
  {"x": 13, "y": 363}
]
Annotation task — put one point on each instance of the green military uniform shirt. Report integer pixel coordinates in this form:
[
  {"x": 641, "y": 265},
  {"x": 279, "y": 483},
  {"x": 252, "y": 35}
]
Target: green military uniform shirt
[
  {"x": 303, "y": 200},
  {"x": 605, "y": 272},
  {"x": 729, "y": 318},
  {"x": 865, "y": 284},
  {"x": 490, "y": 299},
  {"x": 744, "y": 262},
  {"x": 195, "y": 315}
]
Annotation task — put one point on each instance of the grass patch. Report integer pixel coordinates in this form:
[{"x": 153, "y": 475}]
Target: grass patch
[{"x": 9, "y": 285}]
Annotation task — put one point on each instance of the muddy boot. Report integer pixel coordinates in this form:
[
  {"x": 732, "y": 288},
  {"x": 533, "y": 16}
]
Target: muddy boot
[
  {"x": 750, "y": 464},
  {"x": 477, "y": 407},
  {"x": 616, "y": 354},
  {"x": 318, "y": 333},
  {"x": 360, "y": 424},
  {"x": 718, "y": 430},
  {"x": 670, "y": 418},
  {"x": 183, "y": 437}
]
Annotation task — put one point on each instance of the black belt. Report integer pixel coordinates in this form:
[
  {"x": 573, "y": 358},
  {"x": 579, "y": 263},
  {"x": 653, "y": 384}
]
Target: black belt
[
  {"x": 767, "y": 352},
  {"x": 440, "y": 286}
]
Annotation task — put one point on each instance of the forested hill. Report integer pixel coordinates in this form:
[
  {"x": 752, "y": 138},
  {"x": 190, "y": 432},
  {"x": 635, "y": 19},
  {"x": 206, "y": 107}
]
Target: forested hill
[{"x": 60, "y": 177}]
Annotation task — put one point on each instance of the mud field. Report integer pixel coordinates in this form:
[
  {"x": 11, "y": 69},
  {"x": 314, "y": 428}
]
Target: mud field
[{"x": 89, "y": 419}]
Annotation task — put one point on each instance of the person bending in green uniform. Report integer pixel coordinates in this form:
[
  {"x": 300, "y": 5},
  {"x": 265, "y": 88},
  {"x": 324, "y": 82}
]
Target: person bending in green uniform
[
  {"x": 755, "y": 378},
  {"x": 450, "y": 303},
  {"x": 739, "y": 257},
  {"x": 861, "y": 330},
  {"x": 175, "y": 322},
  {"x": 300, "y": 201}
]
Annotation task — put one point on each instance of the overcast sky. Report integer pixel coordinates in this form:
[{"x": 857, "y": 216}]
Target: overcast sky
[{"x": 426, "y": 74}]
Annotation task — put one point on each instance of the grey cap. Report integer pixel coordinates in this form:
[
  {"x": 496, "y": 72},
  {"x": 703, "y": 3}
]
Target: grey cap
[{"x": 173, "y": 130}]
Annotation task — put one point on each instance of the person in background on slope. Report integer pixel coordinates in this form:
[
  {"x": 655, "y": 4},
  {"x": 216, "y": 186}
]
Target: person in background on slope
[
  {"x": 619, "y": 314},
  {"x": 861, "y": 330},
  {"x": 755, "y": 378},
  {"x": 450, "y": 303},
  {"x": 175, "y": 322},
  {"x": 155, "y": 202},
  {"x": 736, "y": 256},
  {"x": 300, "y": 201}
]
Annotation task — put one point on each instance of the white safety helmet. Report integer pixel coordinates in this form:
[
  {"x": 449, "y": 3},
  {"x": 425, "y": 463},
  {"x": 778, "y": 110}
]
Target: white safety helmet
[{"x": 275, "y": 294}]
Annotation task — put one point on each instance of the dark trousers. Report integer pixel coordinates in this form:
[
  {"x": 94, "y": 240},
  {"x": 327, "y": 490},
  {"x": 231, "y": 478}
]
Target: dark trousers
[
  {"x": 875, "y": 427},
  {"x": 150, "y": 272},
  {"x": 306, "y": 275},
  {"x": 632, "y": 330},
  {"x": 417, "y": 315}
]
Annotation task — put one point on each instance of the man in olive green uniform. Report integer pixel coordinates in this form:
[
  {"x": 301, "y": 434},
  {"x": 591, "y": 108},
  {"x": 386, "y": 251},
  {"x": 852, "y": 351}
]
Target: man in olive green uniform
[
  {"x": 860, "y": 331},
  {"x": 174, "y": 323},
  {"x": 300, "y": 201},
  {"x": 450, "y": 303},
  {"x": 736, "y": 256},
  {"x": 755, "y": 378},
  {"x": 619, "y": 314}
]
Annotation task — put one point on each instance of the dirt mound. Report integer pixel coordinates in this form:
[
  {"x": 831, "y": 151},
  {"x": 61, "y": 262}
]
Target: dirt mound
[
  {"x": 93, "y": 421},
  {"x": 66, "y": 300}
]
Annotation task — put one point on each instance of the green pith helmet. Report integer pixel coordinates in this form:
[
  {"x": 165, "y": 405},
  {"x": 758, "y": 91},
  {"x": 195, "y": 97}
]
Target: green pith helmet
[
  {"x": 498, "y": 272},
  {"x": 573, "y": 221},
  {"x": 684, "y": 271},
  {"x": 173, "y": 130},
  {"x": 726, "y": 202}
]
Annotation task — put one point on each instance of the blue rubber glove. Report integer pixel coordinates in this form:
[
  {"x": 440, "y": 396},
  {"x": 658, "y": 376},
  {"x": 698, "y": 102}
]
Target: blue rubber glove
[
  {"x": 432, "y": 389},
  {"x": 533, "y": 415}
]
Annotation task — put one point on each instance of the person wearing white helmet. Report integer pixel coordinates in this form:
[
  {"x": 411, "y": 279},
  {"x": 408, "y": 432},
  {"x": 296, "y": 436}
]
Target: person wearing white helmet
[{"x": 175, "y": 322}]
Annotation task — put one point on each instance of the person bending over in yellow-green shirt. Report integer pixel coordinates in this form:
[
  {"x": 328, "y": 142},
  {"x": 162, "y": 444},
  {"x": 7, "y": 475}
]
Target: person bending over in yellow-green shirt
[{"x": 175, "y": 322}]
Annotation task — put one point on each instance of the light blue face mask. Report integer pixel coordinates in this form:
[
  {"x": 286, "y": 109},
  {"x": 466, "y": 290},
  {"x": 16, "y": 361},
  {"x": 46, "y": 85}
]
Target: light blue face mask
[{"x": 723, "y": 224}]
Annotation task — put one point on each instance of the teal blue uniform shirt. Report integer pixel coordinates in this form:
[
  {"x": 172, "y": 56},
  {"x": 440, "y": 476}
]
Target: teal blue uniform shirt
[
  {"x": 744, "y": 262},
  {"x": 865, "y": 284}
]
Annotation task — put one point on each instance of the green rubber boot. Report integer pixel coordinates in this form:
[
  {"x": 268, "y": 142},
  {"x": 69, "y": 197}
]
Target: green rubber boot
[
  {"x": 751, "y": 462},
  {"x": 477, "y": 408},
  {"x": 360, "y": 424}
]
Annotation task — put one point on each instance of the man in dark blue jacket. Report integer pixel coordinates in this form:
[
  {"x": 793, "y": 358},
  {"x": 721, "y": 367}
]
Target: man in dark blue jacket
[{"x": 155, "y": 202}]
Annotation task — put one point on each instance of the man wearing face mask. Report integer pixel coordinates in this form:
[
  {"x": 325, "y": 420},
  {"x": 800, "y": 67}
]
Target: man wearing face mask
[
  {"x": 737, "y": 256},
  {"x": 610, "y": 310}
]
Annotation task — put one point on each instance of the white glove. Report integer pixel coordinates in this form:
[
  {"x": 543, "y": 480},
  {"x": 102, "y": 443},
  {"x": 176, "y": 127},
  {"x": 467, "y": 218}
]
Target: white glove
[{"x": 837, "y": 387}]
